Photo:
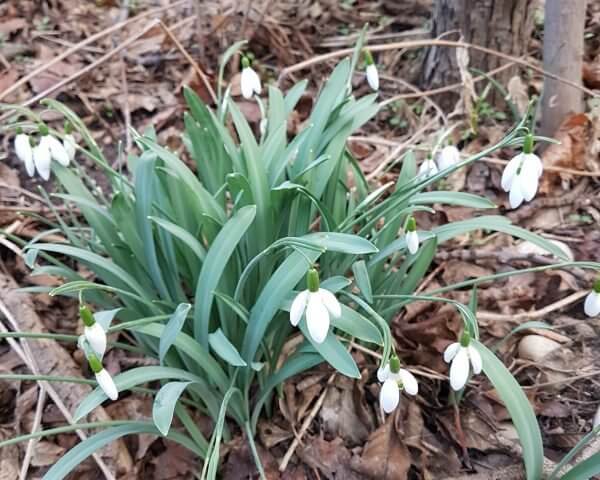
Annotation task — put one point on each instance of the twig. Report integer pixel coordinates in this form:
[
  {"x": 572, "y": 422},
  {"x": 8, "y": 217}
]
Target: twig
[
  {"x": 27, "y": 357},
  {"x": 433, "y": 42},
  {"x": 84, "y": 43},
  {"x": 34, "y": 428},
  {"x": 542, "y": 312}
]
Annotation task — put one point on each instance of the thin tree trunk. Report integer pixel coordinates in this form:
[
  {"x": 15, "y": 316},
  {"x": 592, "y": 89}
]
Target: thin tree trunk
[
  {"x": 563, "y": 55},
  {"x": 503, "y": 25}
]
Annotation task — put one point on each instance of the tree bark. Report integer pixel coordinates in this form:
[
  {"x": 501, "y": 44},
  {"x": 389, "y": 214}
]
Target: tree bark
[
  {"x": 564, "y": 23},
  {"x": 502, "y": 25}
]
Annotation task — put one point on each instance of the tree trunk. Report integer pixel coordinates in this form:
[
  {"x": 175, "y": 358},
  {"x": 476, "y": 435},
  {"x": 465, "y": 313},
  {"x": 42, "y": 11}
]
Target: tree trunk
[
  {"x": 564, "y": 23},
  {"x": 502, "y": 25}
]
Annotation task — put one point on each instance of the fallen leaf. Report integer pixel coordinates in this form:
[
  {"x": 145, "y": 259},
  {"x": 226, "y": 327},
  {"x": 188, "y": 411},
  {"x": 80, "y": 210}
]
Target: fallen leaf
[
  {"x": 176, "y": 462},
  {"x": 574, "y": 136},
  {"x": 46, "y": 453},
  {"x": 7, "y": 79},
  {"x": 340, "y": 418},
  {"x": 332, "y": 459},
  {"x": 12, "y": 25},
  {"x": 385, "y": 456}
]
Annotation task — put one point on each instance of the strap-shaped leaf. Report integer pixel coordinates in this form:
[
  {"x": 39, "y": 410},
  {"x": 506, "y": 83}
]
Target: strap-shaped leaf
[
  {"x": 164, "y": 404},
  {"x": 224, "y": 349},
  {"x": 174, "y": 326}
]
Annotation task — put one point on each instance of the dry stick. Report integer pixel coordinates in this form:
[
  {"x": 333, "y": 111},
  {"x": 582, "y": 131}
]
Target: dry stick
[
  {"x": 34, "y": 428},
  {"x": 26, "y": 355},
  {"x": 307, "y": 421},
  {"x": 193, "y": 63},
  {"x": 535, "y": 313},
  {"x": 84, "y": 43},
  {"x": 438, "y": 43}
]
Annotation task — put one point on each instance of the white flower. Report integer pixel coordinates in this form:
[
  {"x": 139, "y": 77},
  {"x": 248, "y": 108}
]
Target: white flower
[
  {"x": 318, "y": 304},
  {"x": 250, "y": 82},
  {"x": 25, "y": 152},
  {"x": 389, "y": 396},
  {"x": 69, "y": 145},
  {"x": 428, "y": 168},
  {"x": 372, "y": 77},
  {"x": 41, "y": 160},
  {"x": 592, "y": 303},
  {"x": 459, "y": 357},
  {"x": 448, "y": 157},
  {"x": 107, "y": 384},
  {"x": 57, "y": 150},
  {"x": 412, "y": 242},
  {"x": 96, "y": 336},
  {"x": 521, "y": 177}
]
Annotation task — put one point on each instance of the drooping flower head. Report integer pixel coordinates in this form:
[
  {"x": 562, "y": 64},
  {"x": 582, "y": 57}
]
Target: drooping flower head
[
  {"x": 428, "y": 168},
  {"x": 93, "y": 331},
  {"x": 462, "y": 356},
  {"x": 24, "y": 151},
  {"x": 448, "y": 157},
  {"x": 521, "y": 176},
  {"x": 395, "y": 379},
  {"x": 318, "y": 304},
  {"x": 592, "y": 301},
  {"x": 48, "y": 148},
  {"x": 105, "y": 381},
  {"x": 249, "y": 81},
  {"x": 69, "y": 141},
  {"x": 412, "y": 237},
  {"x": 371, "y": 71}
]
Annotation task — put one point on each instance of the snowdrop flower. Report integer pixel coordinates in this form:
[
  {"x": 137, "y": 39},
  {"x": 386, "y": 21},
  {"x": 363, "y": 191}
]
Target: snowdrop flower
[
  {"x": 412, "y": 237},
  {"x": 105, "y": 381},
  {"x": 459, "y": 355},
  {"x": 448, "y": 157},
  {"x": 24, "y": 151},
  {"x": 93, "y": 331},
  {"x": 69, "y": 142},
  {"x": 250, "y": 82},
  {"x": 428, "y": 168},
  {"x": 592, "y": 301},
  {"x": 371, "y": 71},
  {"x": 41, "y": 160},
  {"x": 395, "y": 379},
  {"x": 318, "y": 304},
  {"x": 521, "y": 176},
  {"x": 49, "y": 148}
]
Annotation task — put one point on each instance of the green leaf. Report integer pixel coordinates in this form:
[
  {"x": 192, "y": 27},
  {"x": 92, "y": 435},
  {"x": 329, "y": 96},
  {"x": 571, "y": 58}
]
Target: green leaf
[
  {"x": 452, "y": 198},
  {"x": 74, "y": 457},
  {"x": 520, "y": 411},
  {"x": 333, "y": 351},
  {"x": 186, "y": 237},
  {"x": 341, "y": 242},
  {"x": 584, "y": 470},
  {"x": 361, "y": 276},
  {"x": 224, "y": 349},
  {"x": 174, "y": 326},
  {"x": 105, "y": 317},
  {"x": 164, "y": 405},
  {"x": 214, "y": 265},
  {"x": 132, "y": 378}
]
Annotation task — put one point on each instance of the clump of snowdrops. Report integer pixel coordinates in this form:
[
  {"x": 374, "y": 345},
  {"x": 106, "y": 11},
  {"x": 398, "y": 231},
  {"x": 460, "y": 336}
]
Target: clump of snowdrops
[{"x": 213, "y": 271}]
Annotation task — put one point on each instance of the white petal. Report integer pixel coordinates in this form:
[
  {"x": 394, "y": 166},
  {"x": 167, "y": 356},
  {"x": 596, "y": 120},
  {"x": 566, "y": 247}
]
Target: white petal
[
  {"x": 317, "y": 318},
  {"x": 383, "y": 373},
  {"x": 535, "y": 162},
  {"x": 459, "y": 369},
  {"x": 298, "y": 307},
  {"x": 389, "y": 397},
  {"x": 41, "y": 159},
  {"x": 409, "y": 382},
  {"x": 448, "y": 157},
  {"x": 247, "y": 83},
  {"x": 515, "y": 197},
  {"x": 475, "y": 358},
  {"x": 428, "y": 168},
  {"x": 25, "y": 152},
  {"x": 509, "y": 172},
  {"x": 592, "y": 304},
  {"x": 69, "y": 145},
  {"x": 256, "y": 86},
  {"x": 373, "y": 77},
  {"x": 529, "y": 180},
  {"x": 57, "y": 150},
  {"x": 412, "y": 242},
  {"x": 96, "y": 336},
  {"x": 451, "y": 351},
  {"x": 106, "y": 383},
  {"x": 330, "y": 302}
]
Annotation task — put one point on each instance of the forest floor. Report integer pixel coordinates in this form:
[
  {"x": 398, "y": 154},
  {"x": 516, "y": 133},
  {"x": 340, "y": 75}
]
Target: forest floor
[{"x": 337, "y": 422}]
